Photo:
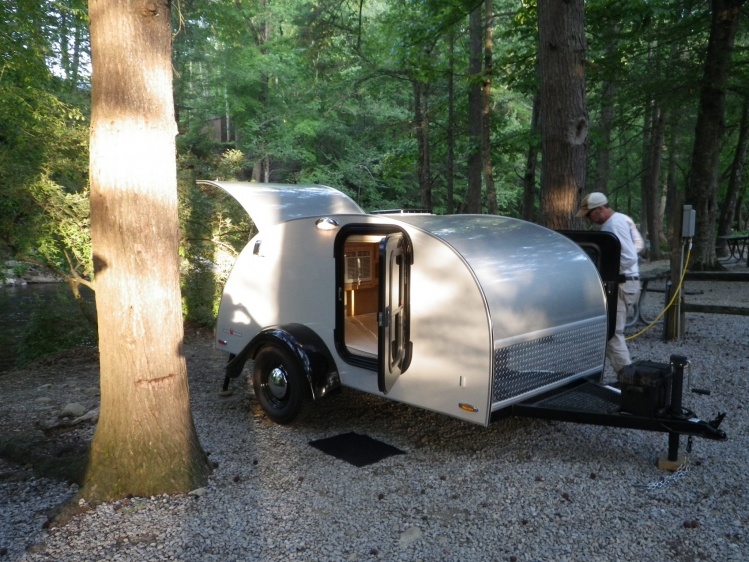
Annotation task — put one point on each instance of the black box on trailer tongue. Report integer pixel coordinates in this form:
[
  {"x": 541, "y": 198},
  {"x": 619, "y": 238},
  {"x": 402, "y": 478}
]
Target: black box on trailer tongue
[{"x": 646, "y": 388}]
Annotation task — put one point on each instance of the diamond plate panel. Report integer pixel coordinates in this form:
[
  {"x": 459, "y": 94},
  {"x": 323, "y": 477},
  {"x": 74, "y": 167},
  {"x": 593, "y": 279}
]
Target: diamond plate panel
[{"x": 527, "y": 366}]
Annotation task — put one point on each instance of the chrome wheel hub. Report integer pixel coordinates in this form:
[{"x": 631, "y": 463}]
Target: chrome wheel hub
[{"x": 277, "y": 383}]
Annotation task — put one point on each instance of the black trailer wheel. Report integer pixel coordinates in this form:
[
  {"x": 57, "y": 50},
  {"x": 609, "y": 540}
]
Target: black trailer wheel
[{"x": 280, "y": 385}]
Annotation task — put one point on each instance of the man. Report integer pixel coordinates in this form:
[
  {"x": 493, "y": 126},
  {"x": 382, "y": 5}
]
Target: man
[{"x": 595, "y": 207}]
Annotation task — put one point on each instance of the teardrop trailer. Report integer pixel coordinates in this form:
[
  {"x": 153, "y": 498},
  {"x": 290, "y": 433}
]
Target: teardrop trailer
[{"x": 475, "y": 316}]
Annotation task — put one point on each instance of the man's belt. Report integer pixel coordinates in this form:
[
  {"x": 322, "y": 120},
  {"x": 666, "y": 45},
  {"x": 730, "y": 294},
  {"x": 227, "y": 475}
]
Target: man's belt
[{"x": 623, "y": 278}]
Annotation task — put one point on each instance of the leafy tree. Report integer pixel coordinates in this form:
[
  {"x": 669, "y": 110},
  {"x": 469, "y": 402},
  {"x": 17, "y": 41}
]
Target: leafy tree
[{"x": 43, "y": 145}]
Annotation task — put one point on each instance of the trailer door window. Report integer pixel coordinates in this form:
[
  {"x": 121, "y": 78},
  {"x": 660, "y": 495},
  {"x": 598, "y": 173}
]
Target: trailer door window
[
  {"x": 372, "y": 323},
  {"x": 394, "y": 347}
]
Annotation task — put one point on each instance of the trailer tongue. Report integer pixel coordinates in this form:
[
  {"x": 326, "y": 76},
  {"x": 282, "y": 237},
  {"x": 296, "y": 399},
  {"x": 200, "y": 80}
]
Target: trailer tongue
[{"x": 649, "y": 398}]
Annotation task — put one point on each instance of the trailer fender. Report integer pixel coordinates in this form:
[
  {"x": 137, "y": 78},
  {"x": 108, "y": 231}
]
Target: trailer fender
[{"x": 304, "y": 345}]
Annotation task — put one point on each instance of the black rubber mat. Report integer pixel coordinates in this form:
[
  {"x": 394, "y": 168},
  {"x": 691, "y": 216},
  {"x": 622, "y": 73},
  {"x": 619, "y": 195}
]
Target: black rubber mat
[{"x": 356, "y": 449}]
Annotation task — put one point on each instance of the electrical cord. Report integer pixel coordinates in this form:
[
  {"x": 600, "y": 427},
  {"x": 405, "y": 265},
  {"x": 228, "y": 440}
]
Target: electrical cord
[{"x": 673, "y": 298}]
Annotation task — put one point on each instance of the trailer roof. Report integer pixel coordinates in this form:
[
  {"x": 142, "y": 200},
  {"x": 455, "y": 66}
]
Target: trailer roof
[
  {"x": 533, "y": 278},
  {"x": 269, "y": 204}
]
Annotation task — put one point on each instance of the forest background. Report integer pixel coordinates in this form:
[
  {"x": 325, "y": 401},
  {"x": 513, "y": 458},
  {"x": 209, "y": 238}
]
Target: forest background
[{"x": 409, "y": 104}]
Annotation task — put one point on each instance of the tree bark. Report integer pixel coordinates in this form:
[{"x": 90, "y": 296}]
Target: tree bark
[
  {"x": 564, "y": 118},
  {"x": 421, "y": 125},
  {"x": 606, "y": 122},
  {"x": 451, "y": 128},
  {"x": 531, "y": 164},
  {"x": 647, "y": 135},
  {"x": 473, "y": 196},
  {"x": 145, "y": 442},
  {"x": 486, "y": 110},
  {"x": 728, "y": 209},
  {"x": 606, "y": 126},
  {"x": 651, "y": 191},
  {"x": 702, "y": 187},
  {"x": 674, "y": 198}
]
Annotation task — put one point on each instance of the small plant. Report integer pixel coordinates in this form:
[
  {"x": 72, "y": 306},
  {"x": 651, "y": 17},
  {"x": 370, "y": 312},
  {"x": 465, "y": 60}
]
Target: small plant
[{"x": 20, "y": 270}]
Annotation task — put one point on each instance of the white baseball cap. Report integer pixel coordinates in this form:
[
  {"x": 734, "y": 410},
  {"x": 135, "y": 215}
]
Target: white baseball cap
[{"x": 590, "y": 202}]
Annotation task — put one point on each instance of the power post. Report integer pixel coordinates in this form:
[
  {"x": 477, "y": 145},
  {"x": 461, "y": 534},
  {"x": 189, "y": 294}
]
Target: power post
[{"x": 674, "y": 321}]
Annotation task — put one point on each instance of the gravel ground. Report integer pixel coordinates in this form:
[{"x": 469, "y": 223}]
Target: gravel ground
[{"x": 521, "y": 490}]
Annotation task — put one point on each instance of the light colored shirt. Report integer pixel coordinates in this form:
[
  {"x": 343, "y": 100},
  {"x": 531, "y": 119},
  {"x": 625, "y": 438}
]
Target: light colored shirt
[{"x": 623, "y": 227}]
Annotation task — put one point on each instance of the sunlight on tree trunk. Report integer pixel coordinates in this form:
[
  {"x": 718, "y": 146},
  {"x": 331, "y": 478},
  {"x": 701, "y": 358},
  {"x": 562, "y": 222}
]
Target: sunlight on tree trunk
[
  {"x": 564, "y": 118},
  {"x": 145, "y": 442}
]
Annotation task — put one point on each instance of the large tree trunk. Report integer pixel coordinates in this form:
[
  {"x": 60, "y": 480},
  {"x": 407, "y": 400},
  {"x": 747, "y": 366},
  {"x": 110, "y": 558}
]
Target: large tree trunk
[
  {"x": 486, "y": 110},
  {"x": 605, "y": 127},
  {"x": 473, "y": 196},
  {"x": 728, "y": 209},
  {"x": 145, "y": 442},
  {"x": 606, "y": 120},
  {"x": 531, "y": 164},
  {"x": 421, "y": 124},
  {"x": 651, "y": 182},
  {"x": 451, "y": 128},
  {"x": 647, "y": 129},
  {"x": 564, "y": 119},
  {"x": 702, "y": 188},
  {"x": 674, "y": 197}
]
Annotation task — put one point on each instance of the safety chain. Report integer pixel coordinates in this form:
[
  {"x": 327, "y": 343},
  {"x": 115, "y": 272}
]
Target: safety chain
[{"x": 680, "y": 472}]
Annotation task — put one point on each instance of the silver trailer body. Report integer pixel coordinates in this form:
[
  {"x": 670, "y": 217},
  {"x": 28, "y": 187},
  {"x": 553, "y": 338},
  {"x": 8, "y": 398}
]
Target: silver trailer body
[{"x": 463, "y": 314}]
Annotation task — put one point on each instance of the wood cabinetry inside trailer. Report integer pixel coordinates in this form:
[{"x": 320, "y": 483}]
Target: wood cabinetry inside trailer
[{"x": 361, "y": 289}]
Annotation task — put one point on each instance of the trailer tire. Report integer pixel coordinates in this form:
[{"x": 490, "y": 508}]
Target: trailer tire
[{"x": 279, "y": 383}]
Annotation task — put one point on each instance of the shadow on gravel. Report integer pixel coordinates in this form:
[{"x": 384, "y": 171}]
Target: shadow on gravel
[{"x": 47, "y": 457}]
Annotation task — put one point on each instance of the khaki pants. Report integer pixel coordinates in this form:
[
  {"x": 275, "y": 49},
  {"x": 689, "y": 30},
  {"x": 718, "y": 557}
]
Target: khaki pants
[{"x": 617, "y": 353}]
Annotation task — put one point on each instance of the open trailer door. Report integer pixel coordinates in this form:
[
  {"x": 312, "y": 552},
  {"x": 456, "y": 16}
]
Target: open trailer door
[
  {"x": 604, "y": 249},
  {"x": 394, "y": 345}
]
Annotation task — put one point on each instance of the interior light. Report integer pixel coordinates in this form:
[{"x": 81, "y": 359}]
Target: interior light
[{"x": 326, "y": 223}]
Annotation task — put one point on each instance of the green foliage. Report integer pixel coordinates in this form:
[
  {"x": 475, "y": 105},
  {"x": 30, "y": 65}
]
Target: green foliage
[
  {"x": 43, "y": 147},
  {"x": 55, "y": 325},
  {"x": 214, "y": 230},
  {"x": 19, "y": 270},
  {"x": 323, "y": 92}
]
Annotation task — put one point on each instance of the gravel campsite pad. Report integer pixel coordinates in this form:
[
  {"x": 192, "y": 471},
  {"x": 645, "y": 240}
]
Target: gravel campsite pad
[{"x": 520, "y": 490}]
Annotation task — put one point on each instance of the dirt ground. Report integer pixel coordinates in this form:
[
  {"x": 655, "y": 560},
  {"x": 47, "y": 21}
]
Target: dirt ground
[{"x": 37, "y": 436}]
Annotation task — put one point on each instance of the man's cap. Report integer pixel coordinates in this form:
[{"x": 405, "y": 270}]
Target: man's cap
[{"x": 590, "y": 202}]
